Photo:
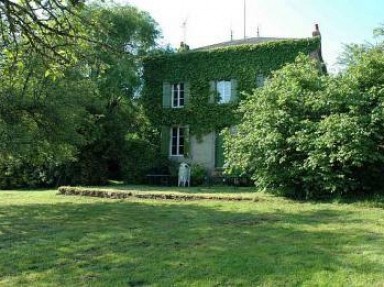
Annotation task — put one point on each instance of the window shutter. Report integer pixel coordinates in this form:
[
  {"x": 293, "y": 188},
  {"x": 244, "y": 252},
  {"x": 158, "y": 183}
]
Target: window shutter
[
  {"x": 187, "y": 142},
  {"x": 167, "y": 95},
  {"x": 165, "y": 140},
  {"x": 212, "y": 92},
  {"x": 260, "y": 81},
  {"x": 234, "y": 92},
  {"x": 187, "y": 93},
  {"x": 219, "y": 150}
]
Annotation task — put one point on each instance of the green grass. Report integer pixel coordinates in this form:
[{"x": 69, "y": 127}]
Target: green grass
[{"x": 52, "y": 240}]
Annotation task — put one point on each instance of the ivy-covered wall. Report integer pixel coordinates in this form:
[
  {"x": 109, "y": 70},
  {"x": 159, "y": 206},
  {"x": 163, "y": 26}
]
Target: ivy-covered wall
[{"x": 198, "y": 68}]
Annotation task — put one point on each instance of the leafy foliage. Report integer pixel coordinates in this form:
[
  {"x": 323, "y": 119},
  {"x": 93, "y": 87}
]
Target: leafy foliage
[
  {"x": 309, "y": 135},
  {"x": 47, "y": 28},
  {"x": 118, "y": 137},
  {"x": 36, "y": 128},
  {"x": 352, "y": 54},
  {"x": 70, "y": 124}
]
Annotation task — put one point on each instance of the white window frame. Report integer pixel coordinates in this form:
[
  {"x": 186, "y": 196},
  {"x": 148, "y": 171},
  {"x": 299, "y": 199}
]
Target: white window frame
[
  {"x": 224, "y": 90},
  {"x": 178, "y": 137},
  {"x": 178, "y": 95}
]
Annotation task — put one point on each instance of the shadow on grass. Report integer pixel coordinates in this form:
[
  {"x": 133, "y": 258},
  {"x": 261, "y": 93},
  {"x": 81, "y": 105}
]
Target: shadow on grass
[{"x": 124, "y": 243}]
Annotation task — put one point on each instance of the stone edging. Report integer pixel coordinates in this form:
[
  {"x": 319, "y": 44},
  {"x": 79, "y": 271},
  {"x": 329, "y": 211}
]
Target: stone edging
[{"x": 104, "y": 193}]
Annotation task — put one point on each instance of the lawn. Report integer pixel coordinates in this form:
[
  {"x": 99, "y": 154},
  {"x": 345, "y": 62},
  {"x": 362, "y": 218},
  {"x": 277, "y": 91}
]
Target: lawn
[{"x": 54, "y": 240}]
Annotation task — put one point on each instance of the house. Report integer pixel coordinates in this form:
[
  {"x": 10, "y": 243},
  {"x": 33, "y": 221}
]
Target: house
[{"x": 191, "y": 95}]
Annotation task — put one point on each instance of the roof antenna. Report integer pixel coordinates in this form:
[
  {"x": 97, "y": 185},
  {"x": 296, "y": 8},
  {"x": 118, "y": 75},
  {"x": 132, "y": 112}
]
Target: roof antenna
[
  {"x": 245, "y": 19},
  {"x": 184, "y": 28}
]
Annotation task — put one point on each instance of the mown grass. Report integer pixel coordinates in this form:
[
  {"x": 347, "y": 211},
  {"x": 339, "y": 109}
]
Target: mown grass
[{"x": 52, "y": 240}]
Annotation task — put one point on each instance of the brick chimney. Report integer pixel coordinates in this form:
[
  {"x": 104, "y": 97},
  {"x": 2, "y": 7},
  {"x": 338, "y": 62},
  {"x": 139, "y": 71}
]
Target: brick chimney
[
  {"x": 183, "y": 47},
  {"x": 317, "y": 31}
]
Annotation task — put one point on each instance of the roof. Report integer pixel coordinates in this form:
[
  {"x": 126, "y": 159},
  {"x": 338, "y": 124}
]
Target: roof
[{"x": 247, "y": 41}]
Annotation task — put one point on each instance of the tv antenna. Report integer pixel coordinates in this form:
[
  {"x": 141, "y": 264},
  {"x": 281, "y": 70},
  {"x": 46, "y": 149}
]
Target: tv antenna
[
  {"x": 184, "y": 29},
  {"x": 245, "y": 18}
]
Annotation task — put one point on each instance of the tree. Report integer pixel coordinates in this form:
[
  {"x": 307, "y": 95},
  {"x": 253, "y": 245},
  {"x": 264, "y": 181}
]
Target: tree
[
  {"x": 40, "y": 118},
  {"x": 42, "y": 105},
  {"x": 68, "y": 120},
  {"x": 309, "y": 135},
  {"x": 352, "y": 54},
  {"x": 47, "y": 28},
  {"x": 121, "y": 133}
]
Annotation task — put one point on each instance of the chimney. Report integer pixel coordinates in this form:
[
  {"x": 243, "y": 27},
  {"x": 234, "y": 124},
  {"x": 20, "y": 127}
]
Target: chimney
[
  {"x": 183, "y": 47},
  {"x": 316, "y": 32}
]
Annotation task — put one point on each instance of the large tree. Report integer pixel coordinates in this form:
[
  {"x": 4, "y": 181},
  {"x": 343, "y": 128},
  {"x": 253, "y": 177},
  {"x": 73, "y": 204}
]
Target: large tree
[
  {"x": 64, "y": 103},
  {"x": 41, "y": 115}
]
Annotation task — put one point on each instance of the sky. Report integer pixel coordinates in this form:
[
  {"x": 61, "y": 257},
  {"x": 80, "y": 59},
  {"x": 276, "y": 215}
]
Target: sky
[{"x": 211, "y": 21}]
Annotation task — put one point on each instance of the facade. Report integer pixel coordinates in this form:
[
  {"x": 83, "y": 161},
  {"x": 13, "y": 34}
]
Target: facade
[{"x": 193, "y": 94}]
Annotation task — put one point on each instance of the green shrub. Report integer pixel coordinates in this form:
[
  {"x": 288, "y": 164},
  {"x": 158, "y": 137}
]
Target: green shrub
[
  {"x": 140, "y": 158},
  {"x": 308, "y": 135},
  {"x": 20, "y": 173},
  {"x": 198, "y": 175}
]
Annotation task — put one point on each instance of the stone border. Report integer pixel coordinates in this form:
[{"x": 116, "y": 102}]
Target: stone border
[{"x": 104, "y": 193}]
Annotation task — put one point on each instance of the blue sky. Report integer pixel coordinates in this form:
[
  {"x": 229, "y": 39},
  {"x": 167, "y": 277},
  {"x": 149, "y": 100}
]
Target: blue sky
[{"x": 210, "y": 21}]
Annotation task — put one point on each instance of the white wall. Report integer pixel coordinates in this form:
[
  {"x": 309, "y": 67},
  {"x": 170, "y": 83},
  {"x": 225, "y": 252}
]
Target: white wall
[{"x": 203, "y": 151}]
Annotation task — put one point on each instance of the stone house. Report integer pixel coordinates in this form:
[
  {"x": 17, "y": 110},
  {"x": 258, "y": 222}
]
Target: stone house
[{"x": 192, "y": 95}]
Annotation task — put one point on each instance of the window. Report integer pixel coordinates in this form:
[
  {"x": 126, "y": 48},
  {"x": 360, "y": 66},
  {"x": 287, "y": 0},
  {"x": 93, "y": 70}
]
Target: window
[
  {"x": 178, "y": 95},
  {"x": 177, "y": 141},
  {"x": 175, "y": 95},
  {"x": 223, "y": 89}
]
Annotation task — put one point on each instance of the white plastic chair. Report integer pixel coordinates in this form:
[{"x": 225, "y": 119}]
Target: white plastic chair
[{"x": 184, "y": 178}]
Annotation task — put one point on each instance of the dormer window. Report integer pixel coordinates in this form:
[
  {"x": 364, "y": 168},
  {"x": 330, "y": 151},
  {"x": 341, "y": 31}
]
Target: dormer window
[{"x": 178, "y": 95}]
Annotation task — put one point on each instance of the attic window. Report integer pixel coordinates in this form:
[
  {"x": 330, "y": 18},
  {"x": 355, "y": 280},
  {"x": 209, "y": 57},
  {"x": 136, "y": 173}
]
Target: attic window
[
  {"x": 223, "y": 89},
  {"x": 178, "y": 95}
]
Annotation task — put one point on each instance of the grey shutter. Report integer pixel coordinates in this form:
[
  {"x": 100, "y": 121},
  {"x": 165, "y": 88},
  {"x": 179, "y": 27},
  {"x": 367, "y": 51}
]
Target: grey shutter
[
  {"x": 187, "y": 142},
  {"x": 165, "y": 140},
  {"x": 212, "y": 92},
  {"x": 260, "y": 81},
  {"x": 187, "y": 93},
  {"x": 234, "y": 92},
  {"x": 219, "y": 150},
  {"x": 167, "y": 95}
]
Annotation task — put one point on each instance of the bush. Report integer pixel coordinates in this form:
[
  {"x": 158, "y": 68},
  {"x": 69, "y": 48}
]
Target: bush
[
  {"x": 198, "y": 175},
  {"x": 140, "y": 159},
  {"x": 308, "y": 135},
  {"x": 19, "y": 173}
]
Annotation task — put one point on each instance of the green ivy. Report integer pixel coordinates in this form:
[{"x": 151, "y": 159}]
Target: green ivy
[{"x": 199, "y": 67}]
